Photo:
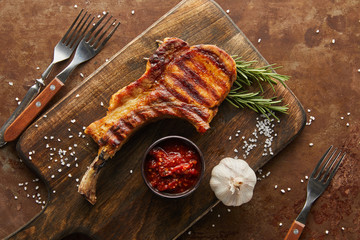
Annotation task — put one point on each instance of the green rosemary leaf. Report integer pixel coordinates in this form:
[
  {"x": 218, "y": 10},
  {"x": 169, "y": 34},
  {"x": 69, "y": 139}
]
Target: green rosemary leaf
[{"x": 246, "y": 76}]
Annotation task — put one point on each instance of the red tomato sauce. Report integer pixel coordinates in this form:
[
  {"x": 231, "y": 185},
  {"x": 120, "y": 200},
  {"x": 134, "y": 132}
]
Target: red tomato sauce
[{"x": 173, "y": 167}]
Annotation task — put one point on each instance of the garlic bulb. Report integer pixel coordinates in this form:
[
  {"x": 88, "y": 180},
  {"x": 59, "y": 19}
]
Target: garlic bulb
[{"x": 233, "y": 181}]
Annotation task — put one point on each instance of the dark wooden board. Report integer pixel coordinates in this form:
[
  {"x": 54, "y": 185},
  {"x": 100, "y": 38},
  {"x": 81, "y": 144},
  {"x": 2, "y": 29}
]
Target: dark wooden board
[{"x": 126, "y": 208}]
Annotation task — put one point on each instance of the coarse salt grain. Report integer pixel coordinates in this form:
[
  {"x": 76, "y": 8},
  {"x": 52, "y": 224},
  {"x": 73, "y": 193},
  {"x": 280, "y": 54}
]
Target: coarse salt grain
[
  {"x": 276, "y": 186},
  {"x": 289, "y": 189},
  {"x": 11, "y": 83},
  {"x": 317, "y": 31},
  {"x": 75, "y": 6},
  {"x": 259, "y": 40},
  {"x": 280, "y": 224},
  {"x": 72, "y": 120},
  {"x": 81, "y": 75},
  {"x": 333, "y": 41},
  {"x": 69, "y": 175},
  {"x": 342, "y": 228},
  {"x": 347, "y": 124},
  {"x": 77, "y": 95},
  {"x": 348, "y": 114},
  {"x": 132, "y": 12},
  {"x": 326, "y": 232},
  {"x": 311, "y": 144},
  {"x": 306, "y": 177},
  {"x": 228, "y": 11},
  {"x": 282, "y": 191},
  {"x": 53, "y": 176}
]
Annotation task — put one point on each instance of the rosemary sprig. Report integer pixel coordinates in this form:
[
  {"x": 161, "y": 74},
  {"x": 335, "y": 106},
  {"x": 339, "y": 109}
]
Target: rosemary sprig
[{"x": 246, "y": 76}]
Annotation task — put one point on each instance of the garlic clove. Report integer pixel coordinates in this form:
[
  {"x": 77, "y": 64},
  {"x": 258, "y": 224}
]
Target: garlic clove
[{"x": 233, "y": 181}]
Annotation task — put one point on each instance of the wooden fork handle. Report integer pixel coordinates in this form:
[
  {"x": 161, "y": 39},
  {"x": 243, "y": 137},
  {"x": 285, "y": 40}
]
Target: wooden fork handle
[
  {"x": 31, "y": 111},
  {"x": 294, "y": 231}
]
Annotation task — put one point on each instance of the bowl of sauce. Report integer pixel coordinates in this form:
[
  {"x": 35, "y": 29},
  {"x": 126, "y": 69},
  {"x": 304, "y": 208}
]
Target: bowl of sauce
[{"x": 172, "y": 167}]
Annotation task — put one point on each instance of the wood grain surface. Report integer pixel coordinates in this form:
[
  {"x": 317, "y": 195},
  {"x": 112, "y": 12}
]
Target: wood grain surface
[{"x": 126, "y": 209}]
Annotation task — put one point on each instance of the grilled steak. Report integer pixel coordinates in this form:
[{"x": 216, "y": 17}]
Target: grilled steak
[{"x": 179, "y": 81}]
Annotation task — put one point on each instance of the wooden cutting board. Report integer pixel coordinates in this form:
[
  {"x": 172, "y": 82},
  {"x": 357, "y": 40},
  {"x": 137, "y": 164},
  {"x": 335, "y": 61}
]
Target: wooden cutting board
[{"x": 126, "y": 208}]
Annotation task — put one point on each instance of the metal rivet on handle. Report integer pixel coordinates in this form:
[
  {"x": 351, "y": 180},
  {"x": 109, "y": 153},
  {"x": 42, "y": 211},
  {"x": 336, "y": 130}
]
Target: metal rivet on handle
[
  {"x": 296, "y": 231},
  {"x": 38, "y": 104},
  {"x": 52, "y": 87}
]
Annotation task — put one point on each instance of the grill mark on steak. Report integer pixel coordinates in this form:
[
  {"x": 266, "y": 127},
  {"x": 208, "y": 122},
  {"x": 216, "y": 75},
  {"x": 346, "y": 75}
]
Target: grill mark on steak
[
  {"x": 215, "y": 59},
  {"x": 179, "y": 81},
  {"x": 185, "y": 84},
  {"x": 194, "y": 76}
]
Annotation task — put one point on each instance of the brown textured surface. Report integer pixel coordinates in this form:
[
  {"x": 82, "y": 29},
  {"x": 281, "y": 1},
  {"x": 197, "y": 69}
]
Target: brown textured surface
[{"x": 325, "y": 78}]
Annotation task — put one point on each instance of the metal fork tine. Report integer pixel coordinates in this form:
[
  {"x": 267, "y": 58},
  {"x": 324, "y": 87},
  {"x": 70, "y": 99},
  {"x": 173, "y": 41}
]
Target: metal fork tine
[
  {"x": 326, "y": 163},
  {"x": 336, "y": 168},
  {"x": 97, "y": 33},
  {"x": 103, "y": 34},
  {"x": 95, "y": 26},
  {"x": 320, "y": 162},
  {"x": 330, "y": 166},
  {"x": 65, "y": 36},
  {"x": 78, "y": 33},
  {"x": 108, "y": 37},
  {"x": 83, "y": 33},
  {"x": 66, "y": 42}
]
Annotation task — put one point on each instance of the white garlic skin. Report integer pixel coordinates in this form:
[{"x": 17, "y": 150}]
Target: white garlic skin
[{"x": 233, "y": 181}]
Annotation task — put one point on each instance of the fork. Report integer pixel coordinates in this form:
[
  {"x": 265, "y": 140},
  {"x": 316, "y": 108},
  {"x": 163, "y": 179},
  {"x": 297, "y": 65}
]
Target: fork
[
  {"x": 318, "y": 182},
  {"x": 89, "y": 46},
  {"x": 62, "y": 51}
]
